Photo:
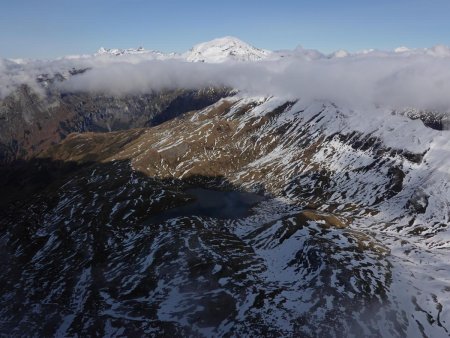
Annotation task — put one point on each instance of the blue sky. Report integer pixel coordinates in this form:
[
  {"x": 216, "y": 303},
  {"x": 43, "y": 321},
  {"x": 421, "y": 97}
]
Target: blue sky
[{"x": 51, "y": 28}]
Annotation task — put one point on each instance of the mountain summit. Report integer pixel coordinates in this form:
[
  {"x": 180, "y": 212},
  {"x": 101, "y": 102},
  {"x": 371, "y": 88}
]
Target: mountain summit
[{"x": 225, "y": 49}]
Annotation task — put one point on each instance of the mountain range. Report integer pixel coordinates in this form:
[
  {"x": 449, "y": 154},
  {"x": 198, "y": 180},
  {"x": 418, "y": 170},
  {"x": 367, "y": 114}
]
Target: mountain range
[
  {"x": 213, "y": 211},
  {"x": 233, "y": 49},
  {"x": 217, "y": 50}
]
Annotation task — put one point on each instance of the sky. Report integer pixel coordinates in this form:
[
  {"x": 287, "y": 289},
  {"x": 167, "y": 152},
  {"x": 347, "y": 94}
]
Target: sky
[{"x": 53, "y": 28}]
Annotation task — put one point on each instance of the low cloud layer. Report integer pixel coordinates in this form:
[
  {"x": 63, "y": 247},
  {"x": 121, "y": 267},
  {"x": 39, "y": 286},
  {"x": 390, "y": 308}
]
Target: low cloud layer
[{"x": 393, "y": 80}]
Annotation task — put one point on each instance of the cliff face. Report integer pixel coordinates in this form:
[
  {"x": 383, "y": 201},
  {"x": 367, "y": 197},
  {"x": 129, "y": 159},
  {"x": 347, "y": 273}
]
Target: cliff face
[{"x": 351, "y": 238}]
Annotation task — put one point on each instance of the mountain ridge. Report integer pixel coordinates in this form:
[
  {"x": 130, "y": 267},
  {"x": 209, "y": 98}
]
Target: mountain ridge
[{"x": 349, "y": 225}]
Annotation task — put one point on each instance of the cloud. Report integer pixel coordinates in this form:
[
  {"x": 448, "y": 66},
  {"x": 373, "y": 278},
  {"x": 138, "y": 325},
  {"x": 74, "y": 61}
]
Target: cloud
[{"x": 394, "y": 80}]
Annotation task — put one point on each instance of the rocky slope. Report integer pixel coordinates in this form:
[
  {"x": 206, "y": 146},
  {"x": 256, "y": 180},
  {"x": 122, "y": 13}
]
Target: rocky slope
[
  {"x": 30, "y": 122},
  {"x": 353, "y": 239}
]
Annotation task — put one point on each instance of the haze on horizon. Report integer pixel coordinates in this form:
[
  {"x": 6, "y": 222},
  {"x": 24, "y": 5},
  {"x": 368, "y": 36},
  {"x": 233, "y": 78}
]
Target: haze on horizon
[
  {"x": 401, "y": 80},
  {"x": 419, "y": 79},
  {"x": 54, "y": 28}
]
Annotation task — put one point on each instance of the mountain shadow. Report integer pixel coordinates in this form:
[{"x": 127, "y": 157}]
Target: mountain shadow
[{"x": 93, "y": 249}]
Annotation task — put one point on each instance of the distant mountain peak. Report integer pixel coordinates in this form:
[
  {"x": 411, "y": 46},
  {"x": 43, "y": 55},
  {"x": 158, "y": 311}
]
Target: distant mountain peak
[
  {"x": 341, "y": 53},
  {"x": 402, "y": 49},
  {"x": 117, "y": 51},
  {"x": 227, "y": 48}
]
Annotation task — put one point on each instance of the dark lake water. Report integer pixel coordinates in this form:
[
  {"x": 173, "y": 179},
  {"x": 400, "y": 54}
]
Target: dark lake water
[{"x": 212, "y": 203}]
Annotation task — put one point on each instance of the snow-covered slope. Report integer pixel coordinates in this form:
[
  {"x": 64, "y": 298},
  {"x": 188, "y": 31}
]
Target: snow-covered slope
[{"x": 353, "y": 239}]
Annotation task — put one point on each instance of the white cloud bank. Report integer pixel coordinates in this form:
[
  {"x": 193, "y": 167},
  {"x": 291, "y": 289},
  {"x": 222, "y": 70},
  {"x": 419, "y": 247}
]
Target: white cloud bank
[{"x": 394, "y": 80}]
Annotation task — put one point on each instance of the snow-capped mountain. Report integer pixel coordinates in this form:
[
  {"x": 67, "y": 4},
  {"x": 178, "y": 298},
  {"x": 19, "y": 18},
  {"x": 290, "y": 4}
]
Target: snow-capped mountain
[
  {"x": 116, "y": 51},
  {"x": 214, "y": 51},
  {"x": 341, "y": 53},
  {"x": 225, "y": 49},
  {"x": 140, "y": 52}
]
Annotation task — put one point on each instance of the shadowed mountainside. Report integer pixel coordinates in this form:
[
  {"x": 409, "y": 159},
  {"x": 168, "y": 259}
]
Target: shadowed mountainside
[{"x": 82, "y": 258}]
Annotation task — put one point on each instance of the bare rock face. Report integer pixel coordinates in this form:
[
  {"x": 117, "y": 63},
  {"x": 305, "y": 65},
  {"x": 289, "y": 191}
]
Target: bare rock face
[
  {"x": 432, "y": 119},
  {"x": 348, "y": 240}
]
